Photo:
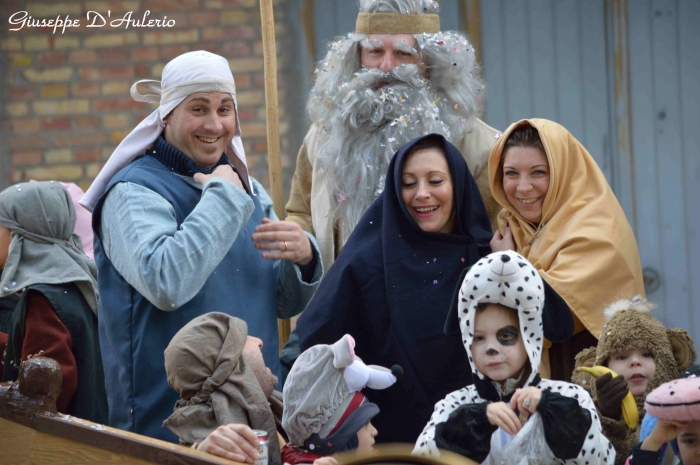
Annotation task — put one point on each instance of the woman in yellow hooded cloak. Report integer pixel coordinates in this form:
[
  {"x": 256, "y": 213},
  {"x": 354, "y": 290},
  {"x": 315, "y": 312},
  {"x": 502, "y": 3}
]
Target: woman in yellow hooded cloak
[{"x": 560, "y": 213}]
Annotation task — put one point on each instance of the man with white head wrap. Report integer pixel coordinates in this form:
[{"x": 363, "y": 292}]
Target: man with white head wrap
[
  {"x": 397, "y": 77},
  {"x": 176, "y": 232}
]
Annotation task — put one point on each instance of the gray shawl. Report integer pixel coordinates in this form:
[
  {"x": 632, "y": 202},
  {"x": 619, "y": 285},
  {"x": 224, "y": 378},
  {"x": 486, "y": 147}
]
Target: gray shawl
[
  {"x": 203, "y": 363},
  {"x": 44, "y": 249}
]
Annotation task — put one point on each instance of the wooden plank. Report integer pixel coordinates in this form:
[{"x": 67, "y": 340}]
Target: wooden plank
[
  {"x": 670, "y": 161},
  {"x": 114, "y": 440},
  {"x": 689, "y": 47},
  {"x": 470, "y": 12},
  {"x": 272, "y": 118},
  {"x": 22, "y": 445},
  {"x": 624, "y": 180},
  {"x": 307, "y": 23},
  {"x": 16, "y": 442}
]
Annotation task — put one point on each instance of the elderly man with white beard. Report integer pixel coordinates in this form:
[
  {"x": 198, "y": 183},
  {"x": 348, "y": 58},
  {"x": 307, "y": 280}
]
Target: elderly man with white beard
[{"x": 395, "y": 78}]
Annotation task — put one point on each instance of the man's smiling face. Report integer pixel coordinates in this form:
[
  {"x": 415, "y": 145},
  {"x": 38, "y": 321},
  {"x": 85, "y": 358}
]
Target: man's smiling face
[{"x": 202, "y": 126}]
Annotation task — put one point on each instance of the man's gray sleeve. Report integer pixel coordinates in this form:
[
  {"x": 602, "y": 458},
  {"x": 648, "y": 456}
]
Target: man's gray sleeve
[
  {"x": 292, "y": 292},
  {"x": 165, "y": 264}
]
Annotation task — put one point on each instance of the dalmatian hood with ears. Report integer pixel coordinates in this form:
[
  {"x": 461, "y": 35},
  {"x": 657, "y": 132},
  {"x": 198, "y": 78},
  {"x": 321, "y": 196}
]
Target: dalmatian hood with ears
[{"x": 508, "y": 279}]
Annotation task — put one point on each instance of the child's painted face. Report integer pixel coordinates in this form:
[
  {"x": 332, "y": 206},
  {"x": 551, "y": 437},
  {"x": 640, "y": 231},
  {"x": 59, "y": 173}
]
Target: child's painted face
[
  {"x": 4, "y": 245},
  {"x": 637, "y": 366},
  {"x": 689, "y": 444},
  {"x": 498, "y": 350},
  {"x": 365, "y": 438}
]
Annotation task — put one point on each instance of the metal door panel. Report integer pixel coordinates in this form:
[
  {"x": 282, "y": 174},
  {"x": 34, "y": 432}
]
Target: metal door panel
[
  {"x": 659, "y": 100},
  {"x": 689, "y": 48},
  {"x": 547, "y": 59}
]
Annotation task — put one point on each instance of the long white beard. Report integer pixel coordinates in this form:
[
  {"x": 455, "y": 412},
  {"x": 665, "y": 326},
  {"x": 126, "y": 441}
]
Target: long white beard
[{"x": 371, "y": 117}]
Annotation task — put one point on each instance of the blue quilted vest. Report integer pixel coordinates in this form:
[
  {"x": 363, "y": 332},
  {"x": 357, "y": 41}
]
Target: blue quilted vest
[{"x": 134, "y": 333}]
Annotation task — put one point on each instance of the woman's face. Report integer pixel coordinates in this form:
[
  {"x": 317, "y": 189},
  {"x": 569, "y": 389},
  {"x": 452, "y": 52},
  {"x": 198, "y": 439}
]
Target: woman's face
[
  {"x": 426, "y": 189},
  {"x": 526, "y": 181}
]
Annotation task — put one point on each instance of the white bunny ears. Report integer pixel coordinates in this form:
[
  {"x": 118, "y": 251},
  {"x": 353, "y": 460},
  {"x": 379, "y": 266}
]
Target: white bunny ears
[
  {"x": 321, "y": 387},
  {"x": 356, "y": 374}
]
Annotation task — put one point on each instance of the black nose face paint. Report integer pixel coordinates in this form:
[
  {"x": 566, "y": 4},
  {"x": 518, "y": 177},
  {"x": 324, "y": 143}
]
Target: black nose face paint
[{"x": 491, "y": 351}]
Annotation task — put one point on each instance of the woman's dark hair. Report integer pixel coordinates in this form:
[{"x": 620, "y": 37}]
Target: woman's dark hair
[
  {"x": 524, "y": 136},
  {"x": 432, "y": 141}
]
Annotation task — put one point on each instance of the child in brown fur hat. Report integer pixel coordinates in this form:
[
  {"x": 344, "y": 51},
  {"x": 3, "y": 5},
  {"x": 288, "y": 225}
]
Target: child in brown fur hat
[{"x": 644, "y": 354}]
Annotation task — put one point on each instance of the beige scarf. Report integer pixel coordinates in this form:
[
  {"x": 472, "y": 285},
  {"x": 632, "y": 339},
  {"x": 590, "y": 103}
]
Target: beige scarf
[{"x": 583, "y": 247}]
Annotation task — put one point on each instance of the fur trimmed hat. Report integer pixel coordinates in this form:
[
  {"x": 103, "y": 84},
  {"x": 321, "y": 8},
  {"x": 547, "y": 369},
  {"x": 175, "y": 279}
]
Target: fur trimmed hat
[
  {"x": 323, "y": 408},
  {"x": 630, "y": 326}
]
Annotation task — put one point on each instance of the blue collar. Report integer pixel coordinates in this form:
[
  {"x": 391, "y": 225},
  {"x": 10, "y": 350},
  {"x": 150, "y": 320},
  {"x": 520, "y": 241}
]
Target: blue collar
[{"x": 176, "y": 161}]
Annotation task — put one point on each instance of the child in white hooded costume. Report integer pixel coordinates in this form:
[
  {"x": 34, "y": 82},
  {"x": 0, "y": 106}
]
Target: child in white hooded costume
[{"x": 478, "y": 419}]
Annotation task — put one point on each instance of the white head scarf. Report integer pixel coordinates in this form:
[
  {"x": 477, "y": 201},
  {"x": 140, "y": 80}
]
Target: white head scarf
[{"x": 186, "y": 74}]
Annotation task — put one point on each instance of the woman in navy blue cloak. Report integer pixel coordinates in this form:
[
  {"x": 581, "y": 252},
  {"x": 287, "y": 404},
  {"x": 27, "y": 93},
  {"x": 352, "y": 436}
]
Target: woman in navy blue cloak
[{"x": 393, "y": 282}]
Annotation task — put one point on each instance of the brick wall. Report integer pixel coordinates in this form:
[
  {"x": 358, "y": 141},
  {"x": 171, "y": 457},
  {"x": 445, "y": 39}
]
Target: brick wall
[{"x": 65, "y": 96}]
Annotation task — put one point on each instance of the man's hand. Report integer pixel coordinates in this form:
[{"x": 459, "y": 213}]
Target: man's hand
[
  {"x": 221, "y": 171},
  {"x": 526, "y": 400},
  {"x": 500, "y": 243},
  {"x": 234, "y": 442},
  {"x": 283, "y": 240},
  {"x": 610, "y": 393},
  {"x": 663, "y": 432},
  {"x": 500, "y": 414}
]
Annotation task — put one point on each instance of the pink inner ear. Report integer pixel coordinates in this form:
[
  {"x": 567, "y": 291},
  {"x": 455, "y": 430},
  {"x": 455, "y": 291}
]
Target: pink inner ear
[{"x": 351, "y": 347}]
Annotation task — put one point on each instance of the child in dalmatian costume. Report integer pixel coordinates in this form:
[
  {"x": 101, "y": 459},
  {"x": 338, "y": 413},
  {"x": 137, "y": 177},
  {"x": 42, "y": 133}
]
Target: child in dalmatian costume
[{"x": 479, "y": 419}]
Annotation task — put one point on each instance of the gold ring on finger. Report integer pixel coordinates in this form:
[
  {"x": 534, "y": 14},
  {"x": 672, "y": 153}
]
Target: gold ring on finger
[{"x": 285, "y": 245}]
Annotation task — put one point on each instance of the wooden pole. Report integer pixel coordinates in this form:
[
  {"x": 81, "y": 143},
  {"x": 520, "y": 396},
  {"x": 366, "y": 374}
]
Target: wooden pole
[
  {"x": 471, "y": 20},
  {"x": 267, "y": 18}
]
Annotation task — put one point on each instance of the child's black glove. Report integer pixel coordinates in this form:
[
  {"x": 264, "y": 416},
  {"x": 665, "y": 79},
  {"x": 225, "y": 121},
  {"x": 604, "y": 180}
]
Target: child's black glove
[{"x": 611, "y": 391}]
